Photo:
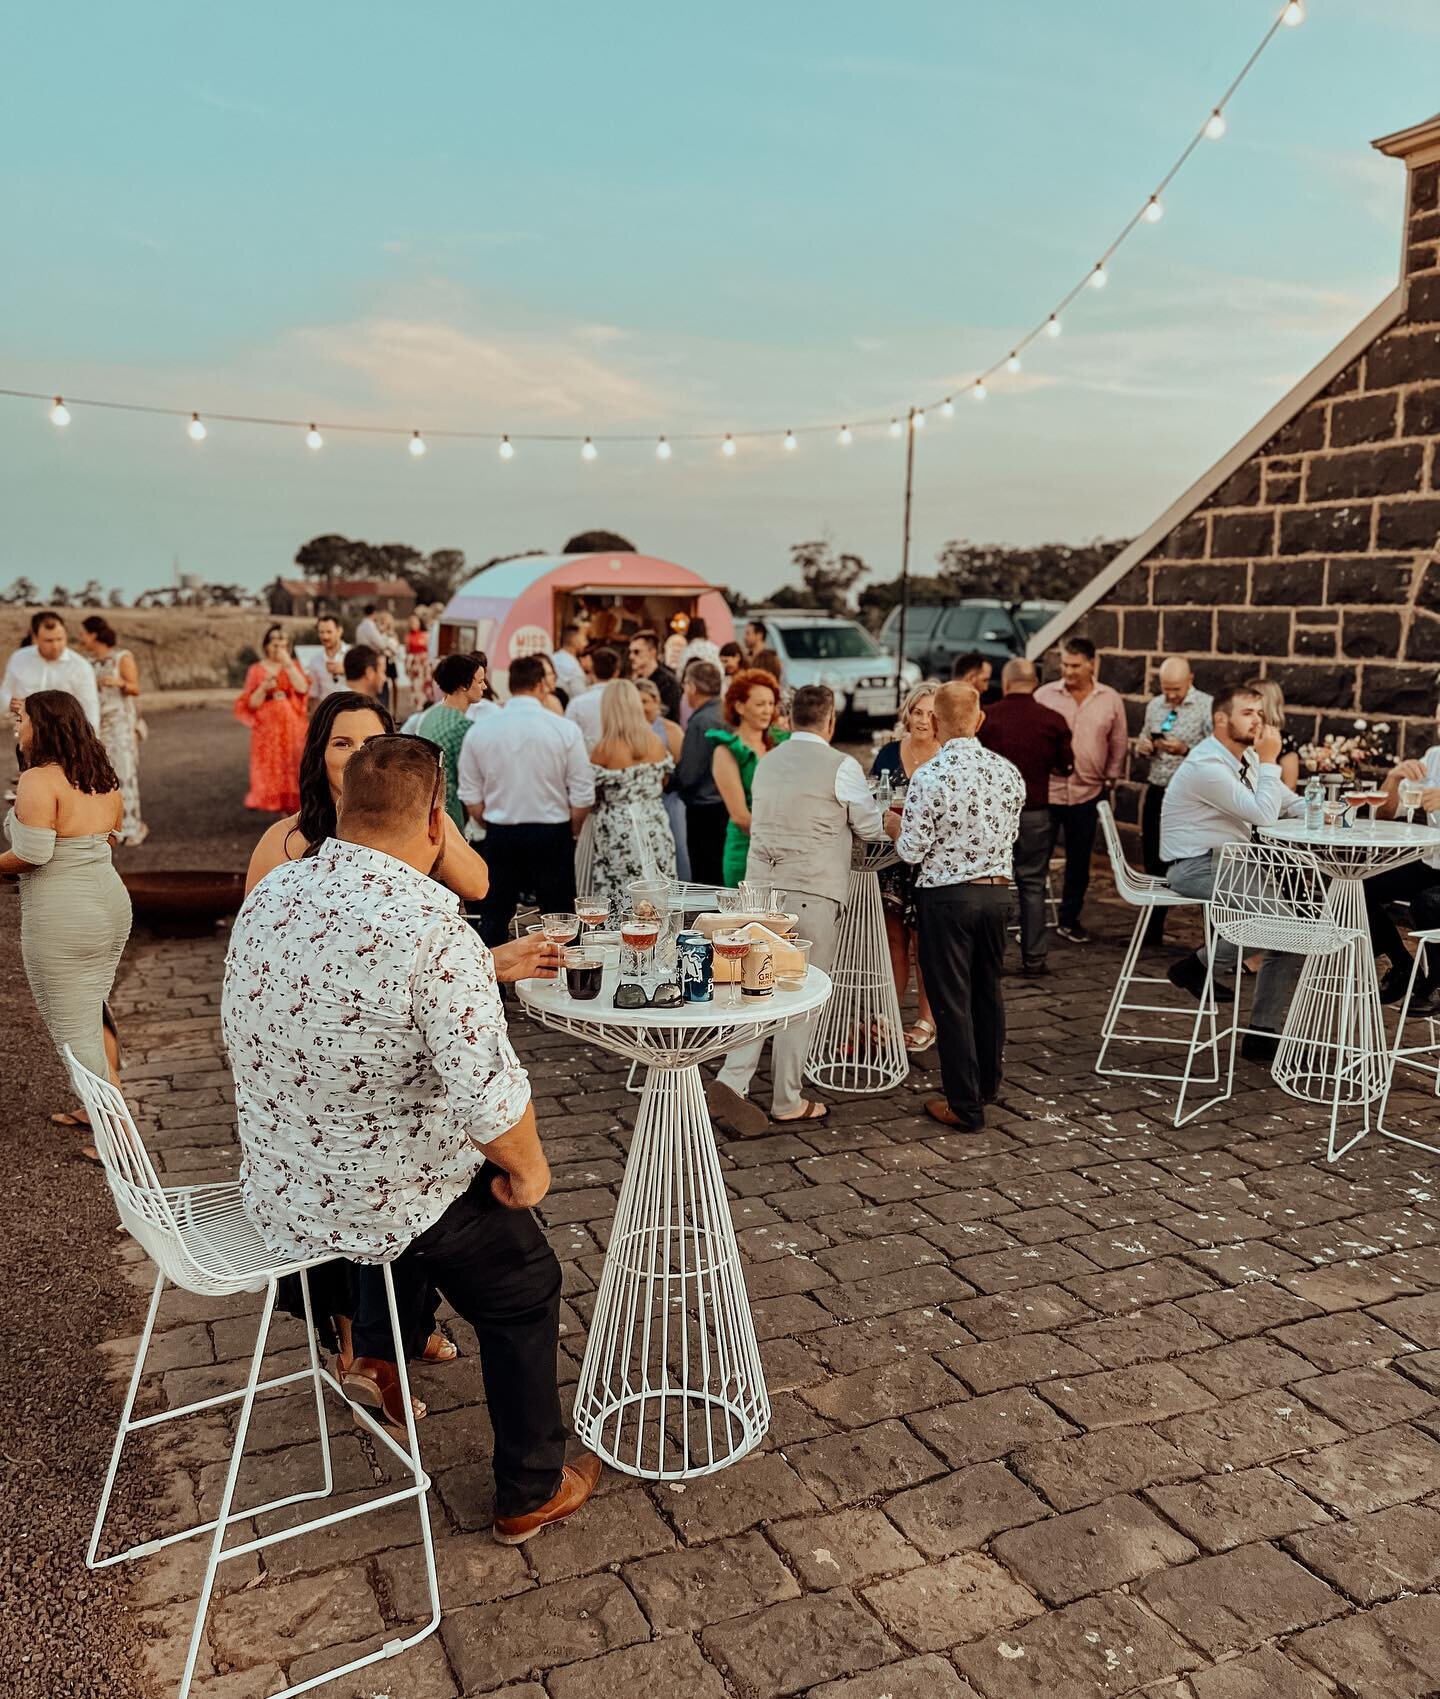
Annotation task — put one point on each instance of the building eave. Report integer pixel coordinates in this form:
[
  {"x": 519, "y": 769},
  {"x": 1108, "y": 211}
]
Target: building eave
[{"x": 1374, "y": 324}]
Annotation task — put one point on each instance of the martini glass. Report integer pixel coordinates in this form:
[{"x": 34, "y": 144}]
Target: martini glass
[
  {"x": 593, "y": 911},
  {"x": 732, "y": 947},
  {"x": 638, "y": 933},
  {"x": 560, "y": 929}
]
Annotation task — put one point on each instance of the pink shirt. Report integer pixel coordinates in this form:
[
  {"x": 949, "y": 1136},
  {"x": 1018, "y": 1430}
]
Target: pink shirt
[{"x": 1099, "y": 739}]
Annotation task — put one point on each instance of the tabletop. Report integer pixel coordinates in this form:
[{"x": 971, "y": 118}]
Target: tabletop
[
  {"x": 549, "y": 997},
  {"x": 1364, "y": 834}
]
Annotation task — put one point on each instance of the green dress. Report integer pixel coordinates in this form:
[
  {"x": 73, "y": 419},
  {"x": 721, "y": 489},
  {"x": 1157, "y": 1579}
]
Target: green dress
[
  {"x": 737, "y": 839},
  {"x": 446, "y": 727}
]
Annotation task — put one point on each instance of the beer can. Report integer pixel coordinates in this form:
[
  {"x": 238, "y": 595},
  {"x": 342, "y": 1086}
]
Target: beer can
[
  {"x": 757, "y": 976},
  {"x": 694, "y": 966}
]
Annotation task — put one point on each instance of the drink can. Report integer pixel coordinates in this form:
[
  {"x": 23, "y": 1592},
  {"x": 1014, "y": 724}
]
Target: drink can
[
  {"x": 757, "y": 977},
  {"x": 695, "y": 967}
]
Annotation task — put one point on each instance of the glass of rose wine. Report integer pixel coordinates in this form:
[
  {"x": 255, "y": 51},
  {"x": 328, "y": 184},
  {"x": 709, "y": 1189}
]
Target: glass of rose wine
[
  {"x": 638, "y": 933},
  {"x": 561, "y": 929},
  {"x": 592, "y": 911},
  {"x": 1412, "y": 794},
  {"x": 732, "y": 947}
]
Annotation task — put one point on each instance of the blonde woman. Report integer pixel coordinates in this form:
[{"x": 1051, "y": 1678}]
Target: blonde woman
[
  {"x": 1272, "y": 709},
  {"x": 916, "y": 742},
  {"x": 633, "y": 839}
]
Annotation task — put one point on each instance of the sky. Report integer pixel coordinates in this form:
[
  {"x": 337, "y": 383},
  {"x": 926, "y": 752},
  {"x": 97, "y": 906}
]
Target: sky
[{"x": 656, "y": 219}]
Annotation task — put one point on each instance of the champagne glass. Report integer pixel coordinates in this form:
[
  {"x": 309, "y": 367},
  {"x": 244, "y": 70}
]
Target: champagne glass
[
  {"x": 561, "y": 929},
  {"x": 638, "y": 933},
  {"x": 1412, "y": 794},
  {"x": 592, "y": 910},
  {"x": 732, "y": 947}
]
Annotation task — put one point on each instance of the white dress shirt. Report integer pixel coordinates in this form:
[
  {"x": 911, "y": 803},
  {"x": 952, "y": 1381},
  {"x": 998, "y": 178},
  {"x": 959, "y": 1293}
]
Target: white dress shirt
[
  {"x": 1207, "y": 804},
  {"x": 525, "y": 766},
  {"x": 478, "y": 710},
  {"x": 370, "y": 1054},
  {"x": 322, "y": 681},
  {"x": 369, "y": 633},
  {"x": 569, "y": 674},
  {"x": 1432, "y": 779},
  {"x": 584, "y": 711},
  {"x": 962, "y": 815},
  {"x": 853, "y": 789},
  {"x": 27, "y": 671}
]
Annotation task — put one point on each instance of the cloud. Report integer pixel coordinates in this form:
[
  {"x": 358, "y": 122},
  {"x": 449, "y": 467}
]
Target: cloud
[{"x": 227, "y": 102}]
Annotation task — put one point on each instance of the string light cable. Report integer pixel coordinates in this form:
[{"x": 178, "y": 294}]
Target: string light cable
[{"x": 314, "y": 434}]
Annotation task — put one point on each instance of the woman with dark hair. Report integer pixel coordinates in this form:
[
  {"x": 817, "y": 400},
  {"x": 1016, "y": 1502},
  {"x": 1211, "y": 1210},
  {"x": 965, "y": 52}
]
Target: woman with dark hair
[
  {"x": 74, "y": 911},
  {"x": 272, "y": 703},
  {"x": 117, "y": 678},
  {"x": 750, "y": 704}
]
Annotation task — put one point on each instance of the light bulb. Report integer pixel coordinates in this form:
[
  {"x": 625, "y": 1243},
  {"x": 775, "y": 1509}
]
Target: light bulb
[
  {"x": 917, "y": 419},
  {"x": 1099, "y": 277},
  {"x": 59, "y": 413},
  {"x": 662, "y": 450},
  {"x": 1215, "y": 125},
  {"x": 1013, "y": 363},
  {"x": 1052, "y": 325},
  {"x": 978, "y": 390},
  {"x": 947, "y": 407},
  {"x": 313, "y": 439},
  {"x": 588, "y": 450},
  {"x": 507, "y": 449},
  {"x": 790, "y": 441},
  {"x": 196, "y": 428},
  {"x": 728, "y": 446},
  {"x": 417, "y": 444},
  {"x": 1154, "y": 211},
  {"x": 894, "y": 427},
  {"x": 1293, "y": 15},
  {"x": 847, "y": 436}
]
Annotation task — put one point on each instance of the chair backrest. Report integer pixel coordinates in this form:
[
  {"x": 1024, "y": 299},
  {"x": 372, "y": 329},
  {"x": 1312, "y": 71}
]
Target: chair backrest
[
  {"x": 1271, "y": 897},
  {"x": 1128, "y": 883},
  {"x": 145, "y": 1211}
]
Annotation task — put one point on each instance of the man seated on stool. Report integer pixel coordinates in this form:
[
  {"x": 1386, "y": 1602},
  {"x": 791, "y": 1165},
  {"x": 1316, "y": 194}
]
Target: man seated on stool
[
  {"x": 962, "y": 814},
  {"x": 1416, "y": 883},
  {"x": 384, "y": 1116},
  {"x": 808, "y": 805},
  {"x": 1227, "y": 785}
]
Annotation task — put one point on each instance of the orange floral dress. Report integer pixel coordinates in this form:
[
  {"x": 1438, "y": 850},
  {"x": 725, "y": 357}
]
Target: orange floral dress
[{"x": 277, "y": 737}]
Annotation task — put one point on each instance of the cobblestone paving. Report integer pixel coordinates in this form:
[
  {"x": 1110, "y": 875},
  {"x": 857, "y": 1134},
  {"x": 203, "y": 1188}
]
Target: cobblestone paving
[{"x": 1078, "y": 1406}]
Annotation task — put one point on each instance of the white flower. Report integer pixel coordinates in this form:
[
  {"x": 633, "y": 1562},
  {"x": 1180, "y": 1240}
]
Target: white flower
[
  {"x": 1360, "y": 725},
  {"x": 1383, "y": 728}
]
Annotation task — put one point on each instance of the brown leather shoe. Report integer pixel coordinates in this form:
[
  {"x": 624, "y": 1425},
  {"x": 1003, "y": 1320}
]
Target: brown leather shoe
[
  {"x": 939, "y": 1110},
  {"x": 577, "y": 1482},
  {"x": 373, "y": 1383}
]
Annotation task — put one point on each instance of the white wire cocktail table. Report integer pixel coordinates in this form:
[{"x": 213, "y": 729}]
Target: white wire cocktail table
[
  {"x": 1334, "y": 1048},
  {"x": 671, "y": 1386},
  {"x": 858, "y": 1043}
]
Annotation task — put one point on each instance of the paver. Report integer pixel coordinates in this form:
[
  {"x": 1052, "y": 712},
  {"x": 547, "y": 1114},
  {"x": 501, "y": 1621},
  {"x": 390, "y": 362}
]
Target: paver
[
  {"x": 1225, "y": 1510},
  {"x": 844, "y": 1468},
  {"x": 1262, "y": 1674},
  {"x": 915, "y": 1678},
  {"x": 548, "y": 1626},
  {"x": 1231, "y": 1603},
  {"x": 947, "y": 1603},
  {"x": 844, "y": 1548},
  {"x": 1105, "y": 1545},
  {"x": 1392, "y": 1651},
  {"x": 794, "y": 1645},
  {"x": 1146, "y": 1392},
  {"x": 661, "y": 1667},
  {"x": 1390, "y": 1466},
  {"x": 1378, "y": 1556},
  {"x": 688, "y": 1589},
  {"x": 964, "y": 1509}
]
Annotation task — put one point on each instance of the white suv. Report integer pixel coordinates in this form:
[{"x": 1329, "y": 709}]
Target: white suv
[{"x": 820, "y": 648}]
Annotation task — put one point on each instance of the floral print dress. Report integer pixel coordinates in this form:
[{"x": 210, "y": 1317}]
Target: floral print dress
[{"x": 632, "y": 836}]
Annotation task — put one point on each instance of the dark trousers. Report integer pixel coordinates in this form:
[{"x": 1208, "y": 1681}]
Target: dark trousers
[
  {"x": 1150, "y": 855},
  {"x": 496, "y": 1267},
  {"x": 1416, "y": 884},
  {"x": 537, "y": 859},
  {"x": 1032, "y": 863},
  {"x": 705, "y": 824},
  {"x": 962, "y": 949},
  {"x": 1077, "y": 822}
]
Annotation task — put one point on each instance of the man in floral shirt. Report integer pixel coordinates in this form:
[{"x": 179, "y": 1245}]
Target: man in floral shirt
[
  {"x": 962, "y": 813},
  {"x": 384, "y": 1116}
]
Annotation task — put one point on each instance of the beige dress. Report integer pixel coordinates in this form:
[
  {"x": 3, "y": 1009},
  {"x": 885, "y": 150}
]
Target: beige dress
[{"x": 74, "y": 921}]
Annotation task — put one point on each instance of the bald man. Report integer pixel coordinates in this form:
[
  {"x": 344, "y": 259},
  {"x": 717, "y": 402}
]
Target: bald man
[
  {"x": 1037, "y": 741},
  {"x": 1175, "y": 721},
  {"x": 962, "y": 811}
]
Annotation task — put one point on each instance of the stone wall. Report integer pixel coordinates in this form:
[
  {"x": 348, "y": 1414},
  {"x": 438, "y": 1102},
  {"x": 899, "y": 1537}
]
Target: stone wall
[{"x": 1317, "y": 562}]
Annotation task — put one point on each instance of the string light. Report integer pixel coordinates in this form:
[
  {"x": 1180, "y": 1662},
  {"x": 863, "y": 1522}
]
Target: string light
[
  {"x": 847, "y": 436},
  {"x": 59, "y": 413},
  {"x": 894, "y": 427},
  {"x": 507, "y": 449},
  {"x": 1099, "y": 277},
  {"x": 790, "y": 441},
  {"x": 1216, "y": 125},
  {"x": 1293, "y": 15},
  {"x": 947, "y": 407},
  {"x": 417, "y": 444},
  {"x": 196, "y": 428},
  {"x": 588, "y": 450},
  {"x": 917, "y": 419},
  {"x": 1154, "y": 212},
  {"x": 1052, "y": 326},
  {"x": 978, "y": 390},
  {"x": 727, "y": 447},
  {"x": 313, "y": 439},
  {"x": 1013, "y": 363},
  {"x": 662, "y": 450}
]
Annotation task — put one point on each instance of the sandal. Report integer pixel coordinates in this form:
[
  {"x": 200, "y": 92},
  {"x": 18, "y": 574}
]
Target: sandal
[
  {"x": 920, "y": 1036},
  {"x": 810, "y": 1110},
  {"x": 65, "y": 1118},
  {"x": 439, "y": 1349}
]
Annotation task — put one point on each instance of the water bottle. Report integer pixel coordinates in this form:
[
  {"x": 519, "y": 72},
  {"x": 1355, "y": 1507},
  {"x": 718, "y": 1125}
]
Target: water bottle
[{"x": 1314, "y": 804}]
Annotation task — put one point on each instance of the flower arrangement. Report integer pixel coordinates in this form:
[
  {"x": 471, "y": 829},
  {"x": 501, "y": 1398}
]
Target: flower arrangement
[{"x": 1347, "y": 756}]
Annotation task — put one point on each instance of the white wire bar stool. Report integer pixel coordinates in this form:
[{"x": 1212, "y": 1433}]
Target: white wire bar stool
[
  {"x": 1423, "y": 1058},
  {"x": 1145, "y": 893},
  {"x": 858, "y": 1042},
  {"x": 1270, "y": 898},
  {"x": 201, "y": 1240}
]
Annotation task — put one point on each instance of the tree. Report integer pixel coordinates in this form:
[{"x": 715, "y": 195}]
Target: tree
[
  {"x": 333, "y": 556},
  {"x": 116, "y": 599},
  {"x": 93, "y": 595},
  {"x": 438, "y": 576},
  {"x": 599, "y": 543},
  {"x": 1042, "y": 572},
  {"x": 876, "y": 600},
  {"x": 24, "y": 592},
  {"x": 60, "y": 597},
  {"x": 828, "y": 578}
]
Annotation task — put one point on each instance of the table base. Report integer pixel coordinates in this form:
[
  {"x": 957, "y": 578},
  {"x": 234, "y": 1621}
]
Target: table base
[
  {"x": 858, "y": 1042},
  {"x": 671, "y": 1386}
]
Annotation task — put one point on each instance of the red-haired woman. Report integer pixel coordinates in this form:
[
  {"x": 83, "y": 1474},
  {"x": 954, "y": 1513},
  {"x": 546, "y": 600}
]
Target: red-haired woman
[
  {"x": 74, "y": 911},
  {"x": 272, "y": 704},
  {"x": 750, "y": 703}
]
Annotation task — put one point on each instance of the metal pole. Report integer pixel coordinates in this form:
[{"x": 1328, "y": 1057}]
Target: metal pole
[{"x": 905, "y": 560}]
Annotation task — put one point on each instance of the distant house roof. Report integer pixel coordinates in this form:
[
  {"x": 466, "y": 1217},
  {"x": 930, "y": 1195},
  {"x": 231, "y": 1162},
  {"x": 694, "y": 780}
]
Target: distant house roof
[{"x": 348, "y": 588}]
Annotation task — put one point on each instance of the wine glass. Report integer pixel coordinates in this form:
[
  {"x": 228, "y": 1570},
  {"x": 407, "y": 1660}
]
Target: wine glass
[
  {"x": 732, "y": 947},
  {"x": 638, "y": 932},
  {"x": 592, "y": 910},
  {"x": 560, "y": 929},
  {"x": 1412, "y": 794}
]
